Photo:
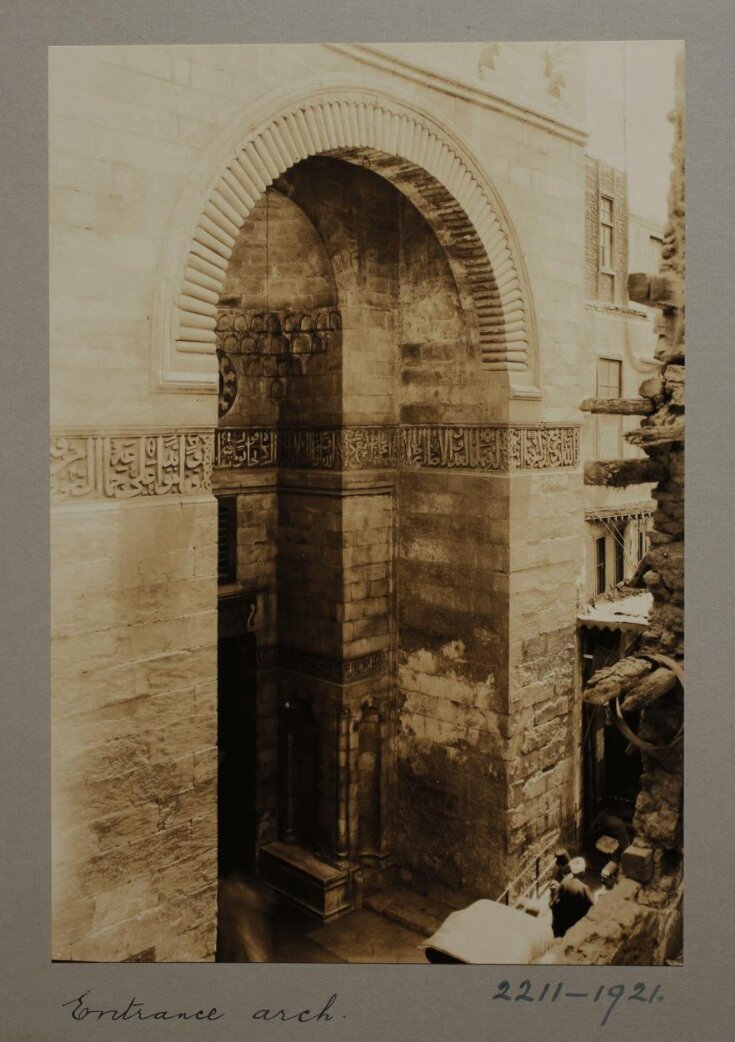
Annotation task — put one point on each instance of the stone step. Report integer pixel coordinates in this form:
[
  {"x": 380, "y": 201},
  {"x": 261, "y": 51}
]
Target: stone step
[{"x": 418, "y": 912}]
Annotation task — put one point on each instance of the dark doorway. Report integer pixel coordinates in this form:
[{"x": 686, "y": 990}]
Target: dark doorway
[
  {"x": 612, "y": 767},
  {"x": 622, "y": 770},
  {"x": 236, "y": 741}
]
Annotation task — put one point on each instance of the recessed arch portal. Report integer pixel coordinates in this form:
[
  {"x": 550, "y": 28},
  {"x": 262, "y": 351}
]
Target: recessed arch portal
[{"x": 422, "y": 161}]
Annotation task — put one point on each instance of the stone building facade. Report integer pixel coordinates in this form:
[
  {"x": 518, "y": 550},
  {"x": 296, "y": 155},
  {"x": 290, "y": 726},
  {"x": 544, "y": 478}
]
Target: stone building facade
[
  {"x": 317, "y": 344},
  {"x": 622, "y": 340}
]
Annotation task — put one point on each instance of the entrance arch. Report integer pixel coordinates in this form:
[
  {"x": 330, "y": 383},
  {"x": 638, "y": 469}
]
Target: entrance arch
[
  {"x": 402, "y": 144},
  {"x": 350, "y": 543}
]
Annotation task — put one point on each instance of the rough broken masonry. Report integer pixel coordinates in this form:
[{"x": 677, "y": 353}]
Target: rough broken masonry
[{"x": 367, "y": 464}]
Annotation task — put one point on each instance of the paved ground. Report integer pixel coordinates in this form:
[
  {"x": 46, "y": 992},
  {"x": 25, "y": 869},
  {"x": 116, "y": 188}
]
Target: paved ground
[{"x": 363, "y": 936}]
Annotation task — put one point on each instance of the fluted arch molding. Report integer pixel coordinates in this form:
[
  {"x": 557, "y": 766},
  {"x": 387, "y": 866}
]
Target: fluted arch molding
[{"x": 404, "y": 144}]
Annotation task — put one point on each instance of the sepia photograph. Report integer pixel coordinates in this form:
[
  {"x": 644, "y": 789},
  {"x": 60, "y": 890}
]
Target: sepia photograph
[{"x": 367, "y": 395}]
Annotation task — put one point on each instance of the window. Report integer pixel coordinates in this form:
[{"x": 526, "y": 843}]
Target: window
[
  {"x": 600, "y": 570},
  {"x": 642, "y": 540},
  {"x": 607, "y": 260},
  {"x": 609, "y": 374},
  {"x": 227, "y": 539},
  {"x": 609, "y": 429}
]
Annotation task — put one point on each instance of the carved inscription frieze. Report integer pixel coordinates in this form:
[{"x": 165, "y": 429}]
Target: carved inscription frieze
[
  {"x": 488, "y": 448},
  {"x": 123, "y": 467},
  {"x": 460, "y": 447},
  {"x": 544, "y": 448},
  {"x": 464, "y": 448},
  {"x": 110, "y": 466},
  {"x": 238, "y": 448},
  {"x": 345, "y": 448}
]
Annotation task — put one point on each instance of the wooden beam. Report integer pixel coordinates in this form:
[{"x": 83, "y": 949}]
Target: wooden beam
[
  {"x": 614, "y": 680},
  {"x": 664, "y": 434},
  {"x": 626, "y": 406},
  {"x": 649, "y": 689},
  {"x": 657, "y": 291},
  {"x": 619, "y": 473}
]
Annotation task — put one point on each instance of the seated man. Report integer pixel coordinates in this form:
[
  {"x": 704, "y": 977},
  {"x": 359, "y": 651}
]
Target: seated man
[{"x": 571, "y": 899}]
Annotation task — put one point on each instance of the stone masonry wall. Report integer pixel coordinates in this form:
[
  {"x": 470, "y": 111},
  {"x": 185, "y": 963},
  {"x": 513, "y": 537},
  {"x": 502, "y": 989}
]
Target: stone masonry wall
[
  {"x": 452, "y": 590},
  {"x": 279, "y": 268},
  {"x": 621, "y": 931},
  {"x": 310, "y": 572},
  {"x": 278, "y": 259},
  {"x": 453, "y": 619},
  {"x": 367, "y": 573},
  {"x": 544, "y": 571},
  {"x": 134, "y": 731},
  {"x": 438, "y": 362},
  {"x": 355, "y": 213}
]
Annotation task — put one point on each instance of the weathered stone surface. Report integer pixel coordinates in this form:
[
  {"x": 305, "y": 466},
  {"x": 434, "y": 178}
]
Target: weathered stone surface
[
  {"x": 140, "y": 631},
  {"x": 658, "y": 809},
  {"x": 637, "y": 863},
  {"x": 617, "y": 931},
  {"x": 653, "y": 387}
]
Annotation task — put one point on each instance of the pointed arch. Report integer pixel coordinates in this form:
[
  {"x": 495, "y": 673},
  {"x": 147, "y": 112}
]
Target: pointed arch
[{"x": 401, "y": 143}]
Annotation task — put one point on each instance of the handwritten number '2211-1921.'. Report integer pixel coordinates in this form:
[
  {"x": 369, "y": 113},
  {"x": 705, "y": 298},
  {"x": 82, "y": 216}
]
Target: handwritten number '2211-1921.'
[{"x": 552, "y": 993}]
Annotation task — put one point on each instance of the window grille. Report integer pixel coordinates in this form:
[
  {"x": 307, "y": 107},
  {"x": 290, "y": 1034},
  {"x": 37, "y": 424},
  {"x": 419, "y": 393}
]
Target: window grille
[{"x": 227, "y": 539}]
